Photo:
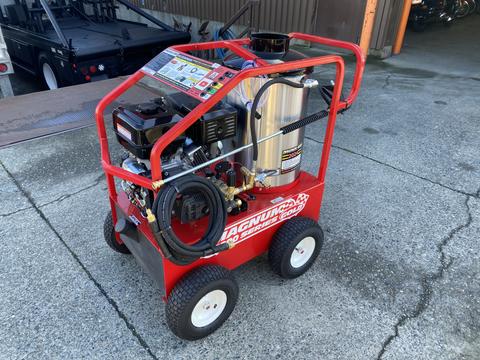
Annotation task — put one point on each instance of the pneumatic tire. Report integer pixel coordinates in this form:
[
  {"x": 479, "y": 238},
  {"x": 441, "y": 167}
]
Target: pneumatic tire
[
  {"x": 47, "y": 73},
  {"x": 110, "y": 237},
  {"x": 201, "y": 302},
  {"x": 295, "y": 246}
]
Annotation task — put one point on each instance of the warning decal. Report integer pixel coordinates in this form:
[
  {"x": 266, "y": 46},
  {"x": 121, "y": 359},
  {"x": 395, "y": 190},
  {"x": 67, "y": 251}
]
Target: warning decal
[{"x": 291, "y": 158}]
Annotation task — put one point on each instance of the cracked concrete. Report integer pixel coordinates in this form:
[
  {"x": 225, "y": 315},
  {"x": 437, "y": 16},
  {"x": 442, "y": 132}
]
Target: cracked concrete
[
  {"x": 429, "y": 280},
  {"x": 50, "y": 269},
  {"x": 387, "y": 81},
  {"x": 444, "y": 331},
  {"x": 476, "y": 195},
  {"x": 112, "y": 302},
  {"x": 14, "y": 212},
  {"x": 64, "y": 197}
]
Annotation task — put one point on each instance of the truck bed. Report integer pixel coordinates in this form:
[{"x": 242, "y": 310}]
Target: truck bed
[{"x": 93, "y": 38}]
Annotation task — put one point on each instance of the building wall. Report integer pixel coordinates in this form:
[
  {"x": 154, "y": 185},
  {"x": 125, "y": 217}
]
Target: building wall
[
  {"x": 386, "y": 26},
  {"x": 339, "y": 19},
  {"x": 322, "y": 17}
]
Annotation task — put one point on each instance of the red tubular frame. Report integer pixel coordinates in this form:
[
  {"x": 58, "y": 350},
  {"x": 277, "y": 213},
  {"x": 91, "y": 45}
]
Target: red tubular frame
[{"x": 264, "y": 68}]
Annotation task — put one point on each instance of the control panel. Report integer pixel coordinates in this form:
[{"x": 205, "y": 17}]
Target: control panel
[{"x": 195, "y": 77}]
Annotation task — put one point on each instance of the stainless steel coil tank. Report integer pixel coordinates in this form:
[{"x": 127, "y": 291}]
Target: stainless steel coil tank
[{"x": 279, "y": 158}]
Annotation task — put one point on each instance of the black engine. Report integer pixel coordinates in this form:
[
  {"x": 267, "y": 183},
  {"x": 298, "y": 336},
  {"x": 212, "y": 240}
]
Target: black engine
[{"x": 138, "y": 128}]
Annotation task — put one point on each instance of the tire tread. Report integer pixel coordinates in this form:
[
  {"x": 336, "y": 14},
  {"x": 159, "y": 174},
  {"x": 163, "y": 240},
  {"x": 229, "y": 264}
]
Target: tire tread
[
  {"x": 109, "y": 234},
  {"x": 187, "y": 289},
  {"x": 283, "y": 238}
]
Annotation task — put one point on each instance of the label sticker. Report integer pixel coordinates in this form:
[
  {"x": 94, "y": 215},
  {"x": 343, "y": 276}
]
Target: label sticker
[
  {"x": 124, "y": 132},
  {"x": 134, "y": 220},
  {"x": 291, "y": 158},
  {"x": 276, "y": 200},
  {"x": 203, "y": 84}
]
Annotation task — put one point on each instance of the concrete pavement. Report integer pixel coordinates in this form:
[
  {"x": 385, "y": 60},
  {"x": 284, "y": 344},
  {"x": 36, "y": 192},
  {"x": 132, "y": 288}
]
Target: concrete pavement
[{"x": 398, "y": 277}]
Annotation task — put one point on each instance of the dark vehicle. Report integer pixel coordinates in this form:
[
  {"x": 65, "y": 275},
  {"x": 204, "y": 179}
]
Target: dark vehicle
[
  {"x": 424, "y": 12},
  {"x": 66, "y": 42}
]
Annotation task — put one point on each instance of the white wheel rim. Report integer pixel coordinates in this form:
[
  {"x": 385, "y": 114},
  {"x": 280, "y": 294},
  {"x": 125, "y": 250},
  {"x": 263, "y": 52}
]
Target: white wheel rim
[
  {"x": 302, "y": 252},
  {"x": 209, "y": 308},
  {"x": 49, "y": 77}
]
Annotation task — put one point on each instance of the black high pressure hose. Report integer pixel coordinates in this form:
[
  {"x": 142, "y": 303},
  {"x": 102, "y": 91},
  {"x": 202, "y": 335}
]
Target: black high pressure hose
[
  {"x": 174, "y": 248},
  {"x": 162, "y": 208},
  {"x": 256, "y": 100}
]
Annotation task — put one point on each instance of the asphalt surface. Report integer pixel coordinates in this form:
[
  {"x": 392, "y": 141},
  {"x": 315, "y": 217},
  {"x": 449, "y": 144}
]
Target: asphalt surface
[{"x": 398, "y": 277}]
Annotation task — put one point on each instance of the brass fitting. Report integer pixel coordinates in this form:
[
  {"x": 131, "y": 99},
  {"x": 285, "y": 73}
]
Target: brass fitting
[
  {"x": 157, "y": 184},
  {"x": 230, "y": 192},
  {"x": 231, "y": 244},
  {"x": 250, "y": 174},
  {"x": 150, "y": 217}
]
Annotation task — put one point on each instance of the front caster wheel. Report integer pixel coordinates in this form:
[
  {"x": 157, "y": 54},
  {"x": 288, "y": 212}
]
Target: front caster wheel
[
  {"x": 110, "y": 235},
  {"x": 295, "y": 246},
  {"x": 201, "y": 302}
]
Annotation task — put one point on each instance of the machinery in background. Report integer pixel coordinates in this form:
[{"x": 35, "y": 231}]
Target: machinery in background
[
  {"x": 465, "y": 7},
  {"x": 424, "y": 12},
  {"x": 67, "y": 42},
  {"x": 211, "y": 176}
]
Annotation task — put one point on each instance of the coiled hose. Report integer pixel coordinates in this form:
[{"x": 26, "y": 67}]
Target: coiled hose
[
  {"x": 227, "y": 35},
  {"x": 253, "y": 111},
  {"x": 172, "y": 246}
]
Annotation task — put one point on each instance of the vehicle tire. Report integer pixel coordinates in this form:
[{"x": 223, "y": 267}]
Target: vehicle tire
[
  {"x": 295, "y": 246},
  {"x": 47, "y": 73},
  {"x": 462, "y": 9},
  {"x": 473, "y": 6},
  {"x": 447, "y": 23},
  {"x": 110, "y": 237},
  {"x": 201, "y": 302}
]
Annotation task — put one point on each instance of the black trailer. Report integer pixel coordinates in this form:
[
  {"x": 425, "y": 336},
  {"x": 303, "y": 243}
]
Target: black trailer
[{"x": 66, "y": 42}]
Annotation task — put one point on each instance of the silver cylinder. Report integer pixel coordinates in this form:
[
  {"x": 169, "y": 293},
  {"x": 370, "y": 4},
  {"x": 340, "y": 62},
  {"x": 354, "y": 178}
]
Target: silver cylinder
[{"x": 280, "y": 157}]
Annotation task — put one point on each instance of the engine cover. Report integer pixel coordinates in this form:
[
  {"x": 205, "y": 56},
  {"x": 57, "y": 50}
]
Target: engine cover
[
  {"x": 138, "y": 128},
  {"x": 219, "y": 123}
]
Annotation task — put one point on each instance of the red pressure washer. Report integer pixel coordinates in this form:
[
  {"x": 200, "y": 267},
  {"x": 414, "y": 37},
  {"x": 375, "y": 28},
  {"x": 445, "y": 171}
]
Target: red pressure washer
[{"x": 211, "y": 176}]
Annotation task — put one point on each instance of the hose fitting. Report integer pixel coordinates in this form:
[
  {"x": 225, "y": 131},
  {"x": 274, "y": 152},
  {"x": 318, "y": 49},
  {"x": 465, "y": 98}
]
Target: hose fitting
[
  {"x": 310, "y": 83},
  {"x": 163, "y": 205},
  {"x": 157, "y": 184}
]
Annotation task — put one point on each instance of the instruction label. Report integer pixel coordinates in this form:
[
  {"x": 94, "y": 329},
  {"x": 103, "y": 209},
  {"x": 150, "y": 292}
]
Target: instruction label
[
  {"x": 196, "y": 77},
  {"x": 291, "y": 159}
]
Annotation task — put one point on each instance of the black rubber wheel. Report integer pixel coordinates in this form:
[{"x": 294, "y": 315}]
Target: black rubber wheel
[
  {"x": 295, "y": 246},
  {"x": 201, "y": 302},
  {"x": 47, "y": 73},
  {"x": 110, "y": 238}
]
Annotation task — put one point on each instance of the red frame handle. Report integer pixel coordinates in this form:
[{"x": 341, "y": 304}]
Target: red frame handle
[
  {"x": 355, "y": 49},
  {"x": 264, "y": 68}
]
